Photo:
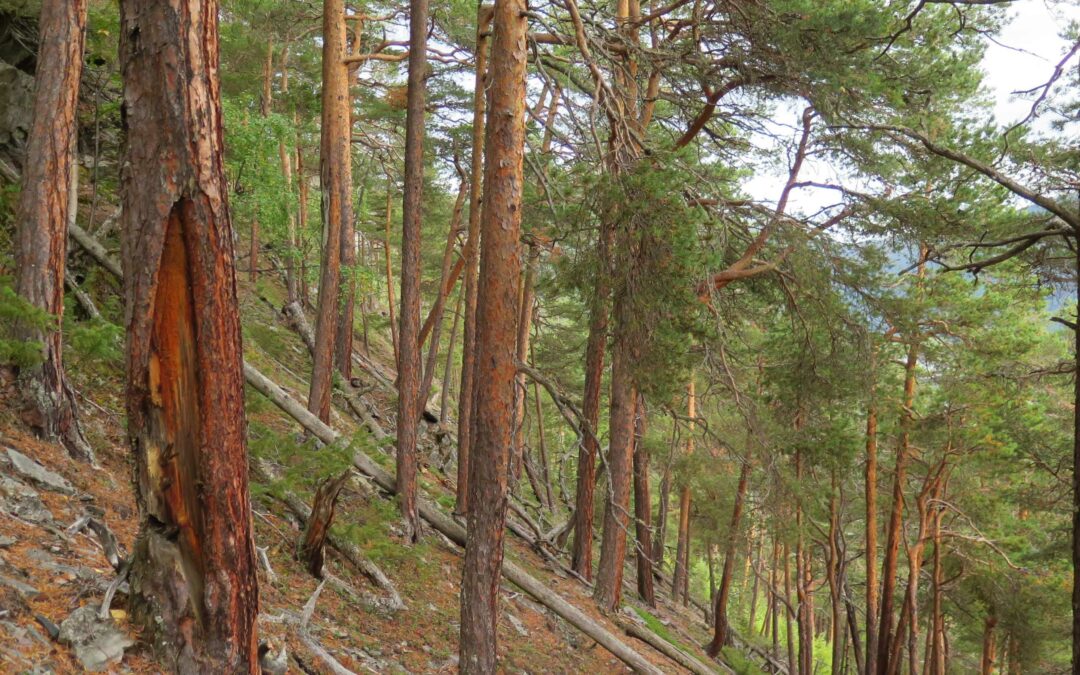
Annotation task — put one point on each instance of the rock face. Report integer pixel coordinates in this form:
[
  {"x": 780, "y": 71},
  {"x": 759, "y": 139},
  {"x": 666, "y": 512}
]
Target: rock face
[
  {"x": 97, "y": 642},
  {"x": 28, "y": 468},
  {"x": 16, "y": 104},
  {"x": 22, "y": 501}
]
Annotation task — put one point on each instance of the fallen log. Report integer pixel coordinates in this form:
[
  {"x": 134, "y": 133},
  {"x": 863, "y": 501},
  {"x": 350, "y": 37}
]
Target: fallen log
[
  {"x": 452, "y": 530},
  {"x": 95, "y": 249},
  {"x": 294, "y": 316},
  {"x": 667, "y": 649}
]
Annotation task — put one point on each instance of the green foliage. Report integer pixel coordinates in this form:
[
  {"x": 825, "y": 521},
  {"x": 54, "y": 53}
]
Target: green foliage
[
  {"x": 17, "y": 316},
  {"x": 656, "y": 266}
]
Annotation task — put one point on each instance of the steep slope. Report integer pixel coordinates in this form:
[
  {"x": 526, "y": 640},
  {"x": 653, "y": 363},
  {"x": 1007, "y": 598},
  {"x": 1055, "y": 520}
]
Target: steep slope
[{"x": 353, "y": 619}]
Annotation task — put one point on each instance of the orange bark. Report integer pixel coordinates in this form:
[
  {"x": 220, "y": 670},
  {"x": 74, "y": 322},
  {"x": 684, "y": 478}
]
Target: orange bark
[{"x": 193, "y": 568}]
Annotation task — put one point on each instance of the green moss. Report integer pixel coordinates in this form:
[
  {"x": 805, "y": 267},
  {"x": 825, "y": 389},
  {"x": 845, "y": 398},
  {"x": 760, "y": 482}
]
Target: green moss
[
  {"x": 739, "y": 663},
  {"x": 267, "y": 337}
]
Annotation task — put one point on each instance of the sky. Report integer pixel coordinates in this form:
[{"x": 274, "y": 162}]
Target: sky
[
  {"x": 1022, "y": 56},
  {"x": 1030, "y": 46}
]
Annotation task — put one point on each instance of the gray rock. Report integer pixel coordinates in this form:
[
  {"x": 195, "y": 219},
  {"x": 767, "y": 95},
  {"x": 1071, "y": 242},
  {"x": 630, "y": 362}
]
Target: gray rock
[
  {"x": 518, "y": 625},
  {"x": 7, "y": 542},
  {"x": 16, "y": 105},
  {"x": 39, "y": 474},
  {"x": 97, "y": 643},
  {"x": 25, "y": 590},
  {"x": 22, "y": 501}
]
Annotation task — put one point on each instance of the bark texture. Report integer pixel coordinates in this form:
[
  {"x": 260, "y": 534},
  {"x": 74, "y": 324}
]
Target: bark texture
[
  {"x": 472, "y": 262},
  {"x": 495, "y": 361},
  {"x": 609, "y": 574},
  {"x": 871, "y": 540},
  {"x": 721, "y": 626},
  {"x": 335, "y": 166},
  {"x": 193, "y": 574},
  {"x": 43, "y": 212},
  {"x": 642, "y": 509},
  {"x": 317, "y": 529},
  {"x": 680, "y": 579},
  {"x": 408, "y": 364}
]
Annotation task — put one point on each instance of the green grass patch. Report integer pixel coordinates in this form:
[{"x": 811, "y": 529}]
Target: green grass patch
[
  {"x": 654, "y": 624},
  {"x": 738, "y": 662}
]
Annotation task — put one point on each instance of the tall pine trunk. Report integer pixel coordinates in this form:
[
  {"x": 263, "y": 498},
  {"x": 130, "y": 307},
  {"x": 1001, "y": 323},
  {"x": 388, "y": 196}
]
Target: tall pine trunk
[
  {"x": 609, "y": 574},
  {"x": 721, "y": 626},
  {"x": 680, "y": 582},
  {"x": 495, "y": 344},
  {"x": 335, "y": 166},
  {"x": 408, "y": 364},
  {"x": 642, "y": 509},
  {"x": 804, "y": 610},
  {"x": 472, "y": 262},
  {"x": 391, "y": 304},
  {"x": 896, "y": 516},
  {"x": 585, "y": 497},
  {"x": 1076, "y": 489},
  {"x": 343, "y": 340},
  {"x": 42, "y": 215},
  {"x": 871, "y": 539},
  {"x": 527, "y": 299},
  {"x": 193, "y": 572}
]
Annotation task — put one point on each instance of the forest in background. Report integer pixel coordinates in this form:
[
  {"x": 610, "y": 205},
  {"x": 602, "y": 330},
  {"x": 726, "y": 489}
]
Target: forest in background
[{"x": 839, "y": 417}]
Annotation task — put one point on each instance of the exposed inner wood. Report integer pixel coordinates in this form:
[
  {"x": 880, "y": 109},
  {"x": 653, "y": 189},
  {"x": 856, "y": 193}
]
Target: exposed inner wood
[{"x": 171, "y": 435}]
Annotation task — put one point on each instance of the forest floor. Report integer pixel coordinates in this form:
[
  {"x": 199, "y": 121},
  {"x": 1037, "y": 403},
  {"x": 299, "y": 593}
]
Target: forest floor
[{"x": 47, "y": 571}]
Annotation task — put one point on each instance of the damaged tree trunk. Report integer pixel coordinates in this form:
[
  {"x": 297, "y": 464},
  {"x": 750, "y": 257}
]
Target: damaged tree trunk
[
  {"x": 310, "y": 549},
  {"x": 193, "y": 574},
  {"x": 44, "y": 209}
]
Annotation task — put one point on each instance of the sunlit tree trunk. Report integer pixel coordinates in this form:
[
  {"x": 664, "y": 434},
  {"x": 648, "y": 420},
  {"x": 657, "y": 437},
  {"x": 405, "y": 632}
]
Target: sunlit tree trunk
[
  {"x": 193, "y": 572},
  {"x": 895, "y": 524},
  {"x": 937, "y": 630},
  {"x": 755, "y": 569},
  {"x": 989, "y": 645},
  {"x": 343, "y": 339},
  {"x": 335, "y": 165},
  {"x": 495, "y": 367},
  {"x": 871, "y": 539},
  {"x": 42, "y": 215}
]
